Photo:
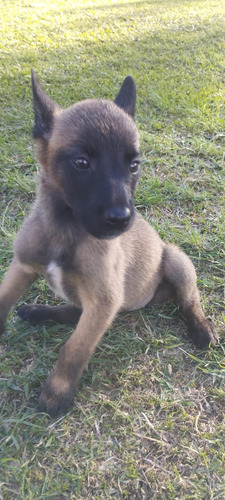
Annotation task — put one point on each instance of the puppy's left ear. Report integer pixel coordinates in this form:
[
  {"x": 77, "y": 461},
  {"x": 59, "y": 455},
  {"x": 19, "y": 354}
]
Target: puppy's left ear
[
  {"x": 44, "y": 111},
  {"x": 126, "y": 99}
]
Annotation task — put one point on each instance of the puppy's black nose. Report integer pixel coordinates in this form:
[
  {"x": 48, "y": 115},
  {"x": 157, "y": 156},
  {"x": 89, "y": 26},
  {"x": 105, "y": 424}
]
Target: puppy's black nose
[{"x": 117, "y": 216}]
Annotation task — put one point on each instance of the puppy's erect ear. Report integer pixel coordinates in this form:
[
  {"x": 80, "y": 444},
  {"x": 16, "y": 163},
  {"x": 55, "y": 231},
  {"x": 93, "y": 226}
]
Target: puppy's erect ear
[
  {"x": 126, "y": 99},
  {"x": 44, "y": 110}
]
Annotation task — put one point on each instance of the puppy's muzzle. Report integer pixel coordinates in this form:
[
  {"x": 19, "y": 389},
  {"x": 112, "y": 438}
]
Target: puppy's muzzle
[{"x": 117, "y": 217}]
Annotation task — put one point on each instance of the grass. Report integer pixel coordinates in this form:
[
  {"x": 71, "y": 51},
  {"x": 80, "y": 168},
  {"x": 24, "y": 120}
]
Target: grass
[{"x": 148, "y": 419}]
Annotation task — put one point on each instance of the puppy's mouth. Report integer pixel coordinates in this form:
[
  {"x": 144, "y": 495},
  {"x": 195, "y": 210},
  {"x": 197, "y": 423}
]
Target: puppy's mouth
[
  {"x": 110, "y": 234},
  {"x": 107, "y": 223},
  {"x": 110, "y": 231}
]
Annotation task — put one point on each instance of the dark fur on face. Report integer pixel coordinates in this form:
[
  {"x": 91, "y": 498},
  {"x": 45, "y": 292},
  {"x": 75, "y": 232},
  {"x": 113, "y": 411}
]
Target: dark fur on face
[
  {"x": 90, "y": 152},
  {"x": 95, "y": 175}
]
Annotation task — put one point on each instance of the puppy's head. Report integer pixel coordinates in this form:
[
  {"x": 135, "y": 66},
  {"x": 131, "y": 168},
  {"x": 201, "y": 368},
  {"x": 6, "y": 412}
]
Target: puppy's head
[{"x": 90, "y": 155}]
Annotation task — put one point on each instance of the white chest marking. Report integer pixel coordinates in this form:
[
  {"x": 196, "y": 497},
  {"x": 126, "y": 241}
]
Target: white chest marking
[{"x": 54, "y": 273}]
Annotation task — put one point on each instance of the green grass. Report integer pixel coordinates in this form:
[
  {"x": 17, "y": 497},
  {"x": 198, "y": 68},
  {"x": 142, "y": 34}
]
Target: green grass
[{"x": 148, "y": 419}]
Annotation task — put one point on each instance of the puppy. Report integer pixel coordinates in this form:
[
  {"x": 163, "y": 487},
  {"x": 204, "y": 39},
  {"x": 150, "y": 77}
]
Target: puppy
[{"x": 85, "y": 237}]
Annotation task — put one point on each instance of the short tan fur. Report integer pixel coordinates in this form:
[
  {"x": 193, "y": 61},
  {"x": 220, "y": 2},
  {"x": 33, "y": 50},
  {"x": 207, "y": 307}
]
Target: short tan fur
[{"x": 85, "y": 237}]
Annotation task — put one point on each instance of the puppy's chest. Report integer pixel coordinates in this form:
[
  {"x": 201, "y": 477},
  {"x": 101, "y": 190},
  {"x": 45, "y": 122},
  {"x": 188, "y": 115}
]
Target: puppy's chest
[
  {"x": 63, "y": 282},
  {"x": 56, "y": 280}
]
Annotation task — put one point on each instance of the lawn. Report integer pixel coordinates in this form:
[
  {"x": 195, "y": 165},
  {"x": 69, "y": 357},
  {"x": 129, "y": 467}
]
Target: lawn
[{"x": 148, "y": 418}]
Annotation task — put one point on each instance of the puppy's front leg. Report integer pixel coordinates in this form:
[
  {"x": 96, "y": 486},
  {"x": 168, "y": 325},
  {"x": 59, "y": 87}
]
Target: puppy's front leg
[
  {"x": 15, "y": 282},
  {"x": 58, "y": 392}
]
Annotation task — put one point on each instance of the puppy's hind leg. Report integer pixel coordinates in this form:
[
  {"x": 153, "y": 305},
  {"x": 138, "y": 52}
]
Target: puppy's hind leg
[
  {"x": 37, "y": 313},
  {"x": 164, "y": 293},
  {"x": 180, "y": 272},
  {"x": 15, "y": 282}
]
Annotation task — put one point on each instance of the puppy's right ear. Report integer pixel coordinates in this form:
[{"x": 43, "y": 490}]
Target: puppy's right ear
[{"x": 44, "y": 110}]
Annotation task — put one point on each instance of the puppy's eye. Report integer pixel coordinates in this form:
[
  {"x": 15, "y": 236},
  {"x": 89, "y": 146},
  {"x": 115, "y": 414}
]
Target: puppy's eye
[
  {"x": 134, "y": 166},
  {"x": 81, "y": 163}
]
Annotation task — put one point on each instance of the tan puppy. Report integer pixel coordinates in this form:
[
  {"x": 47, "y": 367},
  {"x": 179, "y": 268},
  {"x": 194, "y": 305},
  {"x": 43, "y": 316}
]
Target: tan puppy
[{"x": 85, "y": 237}]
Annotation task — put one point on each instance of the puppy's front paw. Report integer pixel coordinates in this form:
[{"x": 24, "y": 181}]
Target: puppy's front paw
[
  {"x": 30, "y": 313},
  {"x": 202, "y": 333},
  {"x": 56, "y": 397}
]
